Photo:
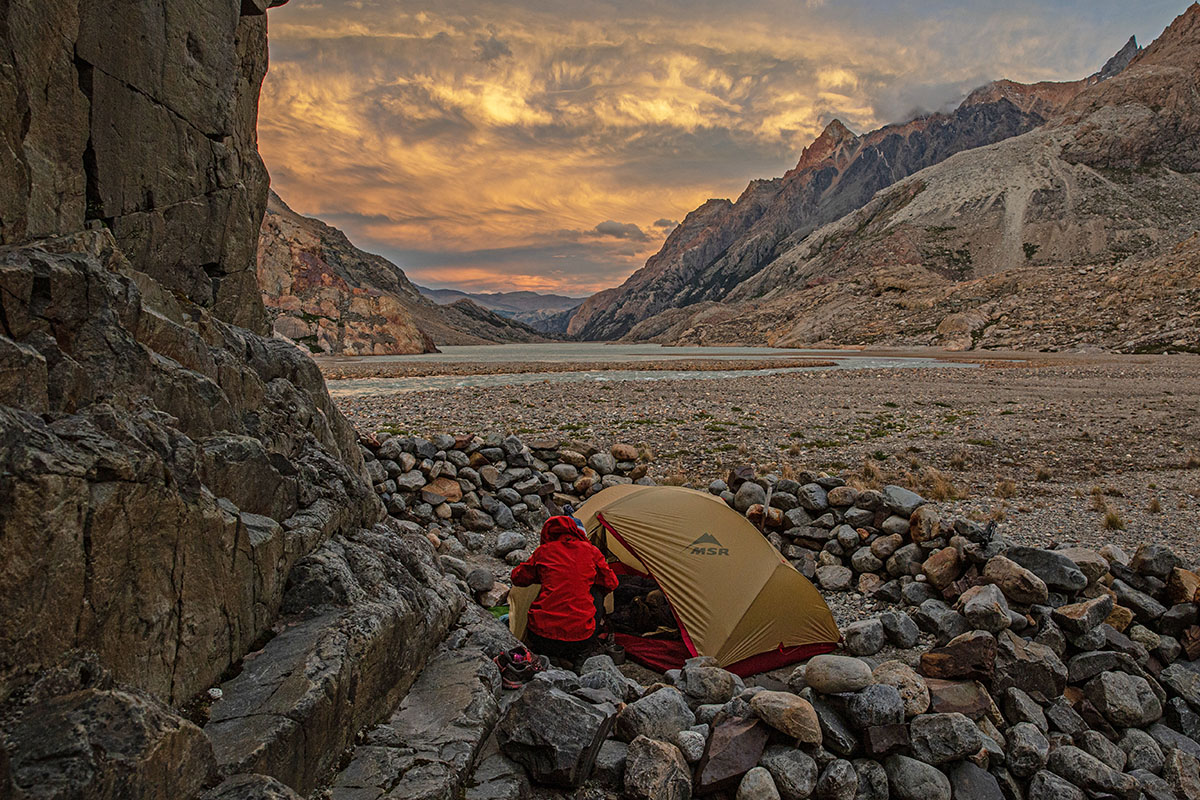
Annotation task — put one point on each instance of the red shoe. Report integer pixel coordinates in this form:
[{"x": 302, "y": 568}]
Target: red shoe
[{"x": 518, "y": 666}]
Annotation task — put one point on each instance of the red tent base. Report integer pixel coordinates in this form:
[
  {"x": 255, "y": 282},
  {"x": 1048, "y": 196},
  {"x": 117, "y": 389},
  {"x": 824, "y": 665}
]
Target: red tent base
[{"x": 665, "y": 654}]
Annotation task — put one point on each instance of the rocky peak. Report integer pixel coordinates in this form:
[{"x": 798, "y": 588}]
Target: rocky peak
[
  {"x": 826, "y": 145},
  {"x": 1121, "y": 60}
]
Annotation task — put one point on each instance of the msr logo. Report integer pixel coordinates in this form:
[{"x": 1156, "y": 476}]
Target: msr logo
[{"x": 707, "y": 545}]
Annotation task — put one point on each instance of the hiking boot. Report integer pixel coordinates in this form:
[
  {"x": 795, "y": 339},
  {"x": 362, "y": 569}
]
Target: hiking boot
[{"x": 518, "y": 666}]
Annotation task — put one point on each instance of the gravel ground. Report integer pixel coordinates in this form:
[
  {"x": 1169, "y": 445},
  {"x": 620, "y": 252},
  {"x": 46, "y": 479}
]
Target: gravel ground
[{"x": 1049, "y": 449}]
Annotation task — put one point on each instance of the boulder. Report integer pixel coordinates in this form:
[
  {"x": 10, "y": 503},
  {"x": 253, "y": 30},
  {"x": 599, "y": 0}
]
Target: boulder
[
  {"x": 914, "y": 694},
  {"x": 1034, "y": 668},
  {"x": 1155, "y": 560},
  {"x": 1048, "y": 786},
  {"x": 830, "y": 674},
  {"x": 757, "y": 784},
  {"x": 901, "y": 501},
  {"x": 1181, "y": 771},
  {"x": 970, "y": 781},
  {"x": 1090, "y": 773},
  {"x": 658, "y": 715},
  {"x": 1126, "y": 700},
  {"x": 1027, "y": 751},
  {"x": 1019, "y": 584},
  {"x": 708, "y": 684},
  {"x": 656, "y": 770},
  {"x": 874, "y": 706},
  {"x": 971, "y": 655},
  {"x": 942, "y": 568},
  {"x": 925, "y": 524},
  {"x": 734, "y": 748},
  {"x": 1056, "y": 570},
  {"x": 938, "y": 738},
  {"x": 935, "y": 617},
  {"x": 910, "y": 779},
  {"x": 835, "y": 578},
  {"x": 985, "y": 608},
  {"x": 749, "y": 494},
  {"x": 789, "y": 714},
  {"x": 794, "y": 771},
  {"x": 838, "y": 781},
  {"x": 899, "y": 629},
  {"x": 1077, "y": 619},
  {"x": 864, "y": 638},
  {"x": 554, "y": 735}
]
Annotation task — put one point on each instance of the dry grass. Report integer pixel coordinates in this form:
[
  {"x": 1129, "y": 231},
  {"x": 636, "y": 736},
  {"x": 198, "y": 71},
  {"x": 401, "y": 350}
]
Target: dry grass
[
  {"x": 795, "y": 450},
  {"x": 645, "y": 454},
  {"x": 1043, "y": 473},
  {"x": 1155, "y": 506},
  {"x": 787, "y": 471},
  {"x": 1193, "y": 461},
  {"x": 743, "y": 449},
  {"x": 959, "y": 460},
  {"x": 939, "y": 487},
  {"x": 1098, "y": 501},
  {"x": 1112, "y": 519},
  {"x": 676, "y": 478},
  {"x": 872, "y": 473},
  {"x": 1006, "y": 488}
]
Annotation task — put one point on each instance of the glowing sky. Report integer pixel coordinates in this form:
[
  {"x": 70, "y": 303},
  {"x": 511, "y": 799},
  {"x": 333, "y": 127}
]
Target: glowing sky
[{"x": 552, "y": 144}]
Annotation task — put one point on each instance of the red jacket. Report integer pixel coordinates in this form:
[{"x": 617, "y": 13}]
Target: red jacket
[{"x": 567, "y": 565}]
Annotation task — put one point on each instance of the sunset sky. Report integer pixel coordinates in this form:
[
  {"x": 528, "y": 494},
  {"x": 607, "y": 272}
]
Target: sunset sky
[{"x": 553, "y": 144}]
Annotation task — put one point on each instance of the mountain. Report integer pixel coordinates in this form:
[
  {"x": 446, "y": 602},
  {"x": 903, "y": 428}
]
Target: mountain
[
  {"x": 547, "y": 313},
  {"x": 1081, "y": 233},
  {"x": 322, "y": 291},
  {"x": 721, "y": 244}
]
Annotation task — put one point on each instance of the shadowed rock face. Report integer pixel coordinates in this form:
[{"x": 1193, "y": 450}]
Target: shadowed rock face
[
  {"x": 140, "y": 117},
  {"x": 720, "y": 245},
  {"x": 165, "y": 467}
]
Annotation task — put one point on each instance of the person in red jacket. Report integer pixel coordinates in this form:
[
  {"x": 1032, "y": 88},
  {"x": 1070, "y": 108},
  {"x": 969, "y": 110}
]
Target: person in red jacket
[{"x": 562, "y": 619}]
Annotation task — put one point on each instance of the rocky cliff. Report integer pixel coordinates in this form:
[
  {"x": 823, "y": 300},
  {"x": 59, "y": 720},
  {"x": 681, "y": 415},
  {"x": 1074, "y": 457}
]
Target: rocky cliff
[
  {"x": 323, "y": 292},
  {"x": 1078, "y": 234},
  {"x": 722, "y": 244},
  {"x": 181, "y": 504}
]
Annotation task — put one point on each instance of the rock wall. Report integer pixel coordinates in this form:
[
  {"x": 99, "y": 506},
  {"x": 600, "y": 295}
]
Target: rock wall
[
  {"x": 140, "y": 117},
  {"x": 164, "y": 469}
]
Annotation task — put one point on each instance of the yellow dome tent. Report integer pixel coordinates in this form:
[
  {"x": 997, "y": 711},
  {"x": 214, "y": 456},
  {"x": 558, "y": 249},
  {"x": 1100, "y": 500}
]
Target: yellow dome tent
[{"x": 735, "y": 597}]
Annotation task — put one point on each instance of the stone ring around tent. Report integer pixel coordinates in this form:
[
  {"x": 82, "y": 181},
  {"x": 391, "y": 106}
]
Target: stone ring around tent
[{"x": 734, "y": 596}]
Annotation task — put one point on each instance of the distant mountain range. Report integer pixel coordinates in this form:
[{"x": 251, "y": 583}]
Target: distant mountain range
[
  {"x": 328, "y": 295},
  {"x": 548, "y": 313},
  {"x": 1020, "y": 219}
]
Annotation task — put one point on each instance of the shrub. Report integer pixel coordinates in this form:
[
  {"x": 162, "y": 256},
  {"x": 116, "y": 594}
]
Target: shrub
[
  {"x": 1043, "y": 473},
  {"x": 1155, "y": 506},
  {"x": 1112, "y": 520},
  {"x": 1006, "y": 488}
]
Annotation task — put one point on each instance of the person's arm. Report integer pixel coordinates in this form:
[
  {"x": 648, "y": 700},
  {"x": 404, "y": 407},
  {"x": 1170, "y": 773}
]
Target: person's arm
[
  {"x": 527, "y": 573},
  {"x": 605, "y": 577}
]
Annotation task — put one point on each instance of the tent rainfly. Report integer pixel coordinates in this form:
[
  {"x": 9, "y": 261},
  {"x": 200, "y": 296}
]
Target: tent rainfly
[{"x": 734, "y": 596}]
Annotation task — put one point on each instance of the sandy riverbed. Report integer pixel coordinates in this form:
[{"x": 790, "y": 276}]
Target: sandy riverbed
[{"x": 1051, "y": 446}]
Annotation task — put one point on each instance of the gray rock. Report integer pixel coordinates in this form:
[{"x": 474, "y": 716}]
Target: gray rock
[
  {"x": 658, "y": 715},
  {"x": 690, "y": 744},
  {"x": 1144, "y": 607},
  {"x": 609, "y": 771},
  {"x": 899, "y": 629},
  {"x": 1126, "y": 700},
  {"x": 603, "y": 463},
  {"x": 507, "y": 542},
  {"x": 1089, "y": 773},
  {"x": 836, "y": 735},
  {"x": 480, "y": 580},
  {"x": 748, "y": 494},
  {"x": 1020, "y": 707},
  {"x": 555, "y": 736},
  {"x": 872, "y": 780},
  {"x": 937, "y": 618},
  {"x": 1098, "y": 745},
  {"x": 1181, "y": 771},
  {"x": 986, "y": 609},
  {"x": 757, "y": 784},
  {"x": 1079, "y": 618},
  {"x": 794, "y": 771},
  {"x": 901, "y": 501},
  {"x": 1141, "y": 751},
  {"x": 878, "y": 704},
  {"x": 864, "y": 638},
  {"x": 1152, "y": 786},
  {"x": 910, "y": 779},
  {"x": 838, "y": 781},
  {"x": 812, "y": 498},
  {"x": 1183, "y": 682},
  {"x": 656, "y": 770},
  {"x": 478, "y": 520},
  {"x": 938, "y": 738},
  {"x": 970, "y": 781},
  {"x": 707, "y": 685},
  {"x": 1155, "y": 560},
  {"x": 834, "y": 578},
  {"x": 1057, "y": 571},
  {"x": 1048, "y": 786},
  {"x": 1027, "y": 751},
  {"x": 1034, "y": 668}
]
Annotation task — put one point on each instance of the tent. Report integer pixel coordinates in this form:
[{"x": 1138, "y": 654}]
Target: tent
[{"x": 734, "y": 596}]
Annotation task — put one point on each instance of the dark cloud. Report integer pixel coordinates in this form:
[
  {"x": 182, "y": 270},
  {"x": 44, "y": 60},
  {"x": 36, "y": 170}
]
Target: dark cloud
[
  {"x": 621, "y": 230},
  {"x": 666, "y": 223},
  {"x": 491, "y": 48}
]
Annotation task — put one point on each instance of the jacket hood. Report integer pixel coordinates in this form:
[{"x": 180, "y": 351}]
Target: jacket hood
[{"x": 562, "y": 528}]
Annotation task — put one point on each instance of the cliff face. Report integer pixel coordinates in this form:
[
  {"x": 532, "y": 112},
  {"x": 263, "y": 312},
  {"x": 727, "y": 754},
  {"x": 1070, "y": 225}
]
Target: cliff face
[
  {"x": 1066, "y": 236},
  {"x": 164, "y": 471},
  {"x": 323, "y": 292},
  {"x": 730, "y": 243},
  {"x": 140, "y": 117}
]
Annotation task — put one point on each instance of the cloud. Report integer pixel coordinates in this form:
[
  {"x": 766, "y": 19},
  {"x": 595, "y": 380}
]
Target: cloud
[
  {"x": 621, "y": 230},
  {"x": 491, "y": 48},
  {"x": 666, "y": 223},
  {"x": 469, "y": 127}
]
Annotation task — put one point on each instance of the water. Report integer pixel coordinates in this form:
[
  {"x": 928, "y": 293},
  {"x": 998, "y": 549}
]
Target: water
[{"x": 576, "y": 352}]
